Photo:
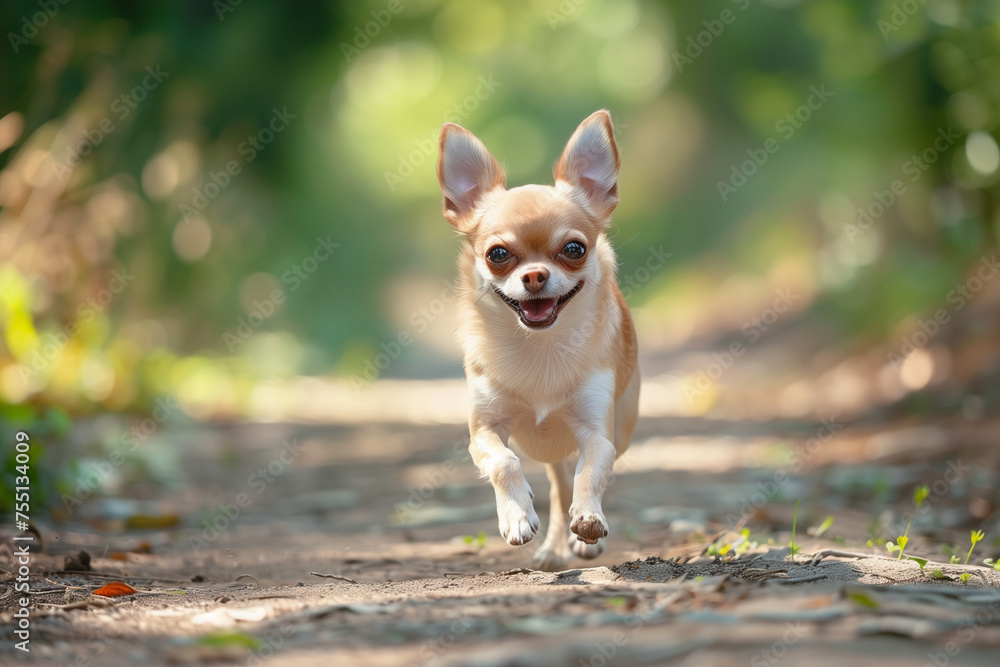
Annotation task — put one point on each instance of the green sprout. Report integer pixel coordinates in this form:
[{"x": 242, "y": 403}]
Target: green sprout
[
  {"x": 479, "y": 541},
  {"x": 937, "y": 574},
  {"x": 795, "y": 517},
  {"x": 730, "y": 550},
  {"x": 919, "y": 496},
  {"x": 863, "y": 599},
  {"x": 994, "y": 564},
  {"x": 744, "y": 543},
  {"x": 965, "y": 577},
  {"x": 823, "y": 527},
  {"x": 898, "y": 545},
  {"x": 977, "y": 536}
]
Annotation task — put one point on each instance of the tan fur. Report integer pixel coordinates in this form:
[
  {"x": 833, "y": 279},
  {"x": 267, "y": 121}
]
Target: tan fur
[{"x": 552, "y": 392}]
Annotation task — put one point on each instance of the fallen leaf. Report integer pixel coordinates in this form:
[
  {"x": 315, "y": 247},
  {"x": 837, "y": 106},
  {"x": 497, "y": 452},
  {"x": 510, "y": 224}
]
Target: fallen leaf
[
  {"x": 114, "y": 589},
  {"x": 117, "y": 555},
  {"x": 148, "y": 522}
]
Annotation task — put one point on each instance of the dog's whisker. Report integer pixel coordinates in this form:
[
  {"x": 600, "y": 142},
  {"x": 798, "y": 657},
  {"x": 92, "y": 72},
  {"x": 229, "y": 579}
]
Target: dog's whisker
[
  {"x": 485, "y": 292},
  {"x": 629, "y": 241}
]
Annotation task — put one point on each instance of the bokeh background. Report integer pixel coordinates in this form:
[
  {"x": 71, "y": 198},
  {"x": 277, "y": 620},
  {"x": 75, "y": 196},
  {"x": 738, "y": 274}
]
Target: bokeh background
[{"x": 231, "y": 207}]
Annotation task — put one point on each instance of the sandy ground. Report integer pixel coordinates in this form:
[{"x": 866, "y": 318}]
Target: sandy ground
[{"x": 395, "y": 511}]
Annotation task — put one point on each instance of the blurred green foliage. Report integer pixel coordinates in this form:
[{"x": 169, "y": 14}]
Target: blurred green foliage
[
  {"x": 194, "y": 192},
  {"x": 44, "y": 480}
]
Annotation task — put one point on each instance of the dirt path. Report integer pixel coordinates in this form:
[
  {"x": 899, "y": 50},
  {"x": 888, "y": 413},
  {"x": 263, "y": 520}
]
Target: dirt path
[{"x": 395, "y": 512}]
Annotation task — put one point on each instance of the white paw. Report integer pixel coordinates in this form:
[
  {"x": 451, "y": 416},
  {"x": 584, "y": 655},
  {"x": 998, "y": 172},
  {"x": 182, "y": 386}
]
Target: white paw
[
  {"x": 518, "y": 524},
  {"x": 584, "y": 550},
  {"x": 589, "y": 526},
  {"x": 550, "y": 558}
]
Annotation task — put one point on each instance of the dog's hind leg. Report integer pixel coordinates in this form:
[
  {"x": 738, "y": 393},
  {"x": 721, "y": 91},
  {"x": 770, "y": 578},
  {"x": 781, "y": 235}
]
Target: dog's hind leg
[{"x": 555, "y": 550}]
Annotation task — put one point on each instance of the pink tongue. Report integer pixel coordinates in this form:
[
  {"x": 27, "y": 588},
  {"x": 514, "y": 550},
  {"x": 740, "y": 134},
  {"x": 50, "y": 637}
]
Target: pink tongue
[{"x": 538, "y": 310}]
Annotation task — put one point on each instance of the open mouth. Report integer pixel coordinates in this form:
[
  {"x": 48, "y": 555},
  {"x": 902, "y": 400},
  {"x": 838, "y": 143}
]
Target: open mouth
[{"x": 539, "y": 313}]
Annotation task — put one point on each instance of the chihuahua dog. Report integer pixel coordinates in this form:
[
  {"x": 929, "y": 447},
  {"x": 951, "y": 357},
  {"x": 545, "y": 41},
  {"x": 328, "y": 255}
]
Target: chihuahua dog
[{"x": 550, "y": 348}]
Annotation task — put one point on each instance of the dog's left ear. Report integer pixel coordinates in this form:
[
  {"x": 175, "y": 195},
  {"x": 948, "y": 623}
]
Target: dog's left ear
[{"x": 590, "y": 162}]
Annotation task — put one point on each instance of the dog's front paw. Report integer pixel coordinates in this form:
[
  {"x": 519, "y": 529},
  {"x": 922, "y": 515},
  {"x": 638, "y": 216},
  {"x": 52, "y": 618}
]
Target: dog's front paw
[
  {"x": 517, "y": 524},
  {"x": 589, "y": 526}
]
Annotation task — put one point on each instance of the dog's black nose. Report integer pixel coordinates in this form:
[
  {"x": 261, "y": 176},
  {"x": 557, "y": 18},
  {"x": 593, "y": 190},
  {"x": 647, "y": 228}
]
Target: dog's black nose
[{"x": 535, "y": 279}]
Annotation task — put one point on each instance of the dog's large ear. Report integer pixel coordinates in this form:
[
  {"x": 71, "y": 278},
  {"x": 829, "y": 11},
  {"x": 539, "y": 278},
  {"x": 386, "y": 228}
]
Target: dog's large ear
[
  {"x": 590, "y": 162},
  {"x": 466, "y": 172}
]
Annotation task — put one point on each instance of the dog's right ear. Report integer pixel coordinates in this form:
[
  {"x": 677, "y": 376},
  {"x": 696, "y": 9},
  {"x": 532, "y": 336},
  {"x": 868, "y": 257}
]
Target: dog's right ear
[{"x": 466, "y": 172}]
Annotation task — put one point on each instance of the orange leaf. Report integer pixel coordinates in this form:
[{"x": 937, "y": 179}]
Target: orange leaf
[
  {"x": 117, "y": 555},
  {"x": 114, "y": 589}
]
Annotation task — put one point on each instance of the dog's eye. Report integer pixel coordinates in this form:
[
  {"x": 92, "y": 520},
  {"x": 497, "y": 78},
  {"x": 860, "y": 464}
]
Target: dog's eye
[
  {"x": 574, "y": 250},
  {"x": 498, "y": 254}
]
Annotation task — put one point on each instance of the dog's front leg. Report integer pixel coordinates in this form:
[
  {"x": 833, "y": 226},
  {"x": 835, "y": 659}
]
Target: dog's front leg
[
  {"x": 497, "y": 463},
  {"x": 593, "y": 425}
]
